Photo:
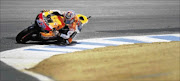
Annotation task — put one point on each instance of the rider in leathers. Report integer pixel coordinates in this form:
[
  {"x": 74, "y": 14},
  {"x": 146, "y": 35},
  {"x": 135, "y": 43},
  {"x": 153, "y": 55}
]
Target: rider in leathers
[{"x": 71, "y": 21}]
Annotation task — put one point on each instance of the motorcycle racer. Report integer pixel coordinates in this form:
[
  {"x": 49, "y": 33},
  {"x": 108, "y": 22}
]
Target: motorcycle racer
[
  {"x": 57, "y": 25},
  {"x": 72, "y": 23}
]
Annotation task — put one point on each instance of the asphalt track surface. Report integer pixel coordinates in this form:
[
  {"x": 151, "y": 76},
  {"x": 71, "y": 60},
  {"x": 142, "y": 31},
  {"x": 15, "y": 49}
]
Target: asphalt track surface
[{"x": 110, "y": 18}]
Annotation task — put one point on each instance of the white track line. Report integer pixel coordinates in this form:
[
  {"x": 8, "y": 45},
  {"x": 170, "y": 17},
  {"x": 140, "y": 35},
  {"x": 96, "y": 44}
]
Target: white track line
[
  {"x": 103, "y": 41},
  {"x": 146, "y": 39}
]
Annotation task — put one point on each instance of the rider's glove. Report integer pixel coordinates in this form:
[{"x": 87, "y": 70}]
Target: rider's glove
[
  {"x": 56, "y": 33},
  {"x": 59, "y": 34}
]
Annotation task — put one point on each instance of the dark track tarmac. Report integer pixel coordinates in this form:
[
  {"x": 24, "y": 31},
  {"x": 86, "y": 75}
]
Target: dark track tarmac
[{"x": 110, "y": 18}]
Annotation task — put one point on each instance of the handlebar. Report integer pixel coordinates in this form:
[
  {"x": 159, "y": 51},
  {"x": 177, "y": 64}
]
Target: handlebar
[{"x": 89, "y": 17}]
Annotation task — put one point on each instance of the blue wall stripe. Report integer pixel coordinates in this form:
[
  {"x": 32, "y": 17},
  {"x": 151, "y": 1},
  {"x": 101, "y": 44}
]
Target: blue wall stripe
[
  {"x": 99, "y": 44},
  {"x": 172, "y": 38},
  {"x": 44, "y": 50},
  {"x": 66, "y": 47},
  {"x": 126, "y": 40}
]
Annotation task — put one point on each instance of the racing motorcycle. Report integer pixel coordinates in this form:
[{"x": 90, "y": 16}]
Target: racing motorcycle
[{"x": 44, "y": 23}]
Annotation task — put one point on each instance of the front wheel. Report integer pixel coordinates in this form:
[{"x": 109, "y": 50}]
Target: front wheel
[{"x": 25, "y": 35}]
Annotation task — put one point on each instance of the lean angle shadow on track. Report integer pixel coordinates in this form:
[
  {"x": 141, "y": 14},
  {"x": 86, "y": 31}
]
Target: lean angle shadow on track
[{"x": 49, "y": 43}]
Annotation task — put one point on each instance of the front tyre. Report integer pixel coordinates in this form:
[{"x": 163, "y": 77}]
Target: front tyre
[{"x": 25, "y": 35}]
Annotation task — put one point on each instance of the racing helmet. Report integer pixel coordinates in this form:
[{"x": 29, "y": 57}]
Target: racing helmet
[{"x": 69, "y": 14}]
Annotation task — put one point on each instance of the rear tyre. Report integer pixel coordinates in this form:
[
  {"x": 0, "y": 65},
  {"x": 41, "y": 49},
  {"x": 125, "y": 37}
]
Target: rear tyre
[{"x": 25, "y": 35}]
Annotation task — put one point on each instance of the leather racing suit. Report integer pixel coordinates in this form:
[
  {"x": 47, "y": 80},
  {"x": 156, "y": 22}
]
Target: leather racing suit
[{"x": 72, "y": 25}]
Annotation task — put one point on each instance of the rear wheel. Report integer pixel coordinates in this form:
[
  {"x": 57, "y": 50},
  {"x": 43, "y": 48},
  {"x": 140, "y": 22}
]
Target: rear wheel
[{"x": 25, "y": 35}]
